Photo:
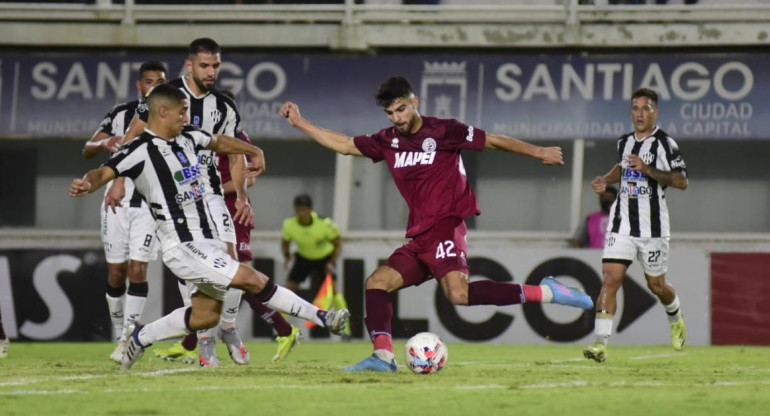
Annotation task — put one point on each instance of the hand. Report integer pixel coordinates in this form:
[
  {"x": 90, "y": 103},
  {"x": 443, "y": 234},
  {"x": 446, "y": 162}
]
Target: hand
[
  {"x": 291, "y": 112},
  {"x": 254, "y": 168},
  {"x": 243, "y": 213},
  {"x": 599, "y": 184},
  {"x": 79, "y": 187},
  {"x": 114, "y": 196},
  {"x": 330, "y": 269},
  {"x": 551, "y": 155},
  {"x": 636, "y": 163},
  {"x": 112, "y": 144}
]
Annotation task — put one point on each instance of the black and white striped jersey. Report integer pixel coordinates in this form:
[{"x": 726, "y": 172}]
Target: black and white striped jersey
[
  {"x": 640, "y": 209},
  {"x": 167, "y": 173},
  {"x": 212, "y": 112},
  {"x": 115, "y": 123}
]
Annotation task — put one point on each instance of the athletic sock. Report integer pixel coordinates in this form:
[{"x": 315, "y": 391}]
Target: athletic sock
[
  {"x": 116, "y": 297},
  {"x": 489, "y": 292},
  {"x": 379, "y": 313},
  {"x": 276, "y": 320},
  {"x": 284, "y": 300},
  {"x": 673, "y": 310},
  {"x": 135, "y": 299},
  {"x": 603, "y": 327},
  {"x": 230, "y": 307},
  {"x": 172, "y": 325},
  {"x": 184, "y": 291}
]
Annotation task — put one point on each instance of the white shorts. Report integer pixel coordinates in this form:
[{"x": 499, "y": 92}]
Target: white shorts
[
  {"x": 222, "y": 219},
  {"x": 651, "y": 252},
  {"x": 129, "y": 234},
  {"x": 203, "y": 263}
]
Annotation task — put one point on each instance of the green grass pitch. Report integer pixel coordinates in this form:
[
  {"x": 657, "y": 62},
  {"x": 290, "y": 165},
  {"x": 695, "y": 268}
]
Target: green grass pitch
[{"x": 479, "y": 380}]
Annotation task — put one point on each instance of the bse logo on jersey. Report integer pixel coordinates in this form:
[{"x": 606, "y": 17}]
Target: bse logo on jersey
[
  {"x": 406, "y": 159},
  {"x": 195, "y": 193},
  {"x": 187, "y": 174},
  {"x": 635, "y": 191},
  {"x": 627, "y": 174}
]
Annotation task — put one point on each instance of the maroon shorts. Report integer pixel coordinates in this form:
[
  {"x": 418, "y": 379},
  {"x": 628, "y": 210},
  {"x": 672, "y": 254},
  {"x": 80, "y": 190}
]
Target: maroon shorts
[
  {"x": 434, "y": 253},
  {"x": 242, "y": 235}
]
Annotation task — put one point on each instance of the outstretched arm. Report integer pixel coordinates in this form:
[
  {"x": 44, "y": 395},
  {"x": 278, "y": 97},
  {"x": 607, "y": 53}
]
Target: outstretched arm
[
  {"x": 333, "y": 140},
  {"x": 91, "y": 181},
  {"x": 547, "y": 155},
  {"x": 231, "y": 145}
]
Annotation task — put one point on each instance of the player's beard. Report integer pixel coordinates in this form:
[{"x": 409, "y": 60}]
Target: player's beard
[{"x": 201, "y": 86}]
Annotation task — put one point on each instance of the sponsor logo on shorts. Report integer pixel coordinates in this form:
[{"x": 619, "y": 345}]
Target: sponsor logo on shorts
[
  {"x": 196, "y": 251},
  {"x": 406, "y": 159}
]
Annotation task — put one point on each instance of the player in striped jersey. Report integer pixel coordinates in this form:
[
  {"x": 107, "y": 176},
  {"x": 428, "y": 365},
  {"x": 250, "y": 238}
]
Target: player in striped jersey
[
  {"x": 649, "y": 161},
  {"x": 128, "y": 231},
  {"x": 164, "y": 166}
]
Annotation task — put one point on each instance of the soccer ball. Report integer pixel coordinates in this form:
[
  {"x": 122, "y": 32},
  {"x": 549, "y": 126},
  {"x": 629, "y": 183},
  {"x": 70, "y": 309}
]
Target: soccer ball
[{"x": 426, "y": 353}]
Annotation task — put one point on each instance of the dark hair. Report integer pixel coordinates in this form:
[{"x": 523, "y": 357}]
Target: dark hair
[
  {"x": 205, "y": 45},
  {"x": 152, "y": 66},
  {"x": 303, "y": 200},
  {"x": 164, "y": 92},
  {"x": 392, "y": 89},
  {"x": 646, "y": 92}
]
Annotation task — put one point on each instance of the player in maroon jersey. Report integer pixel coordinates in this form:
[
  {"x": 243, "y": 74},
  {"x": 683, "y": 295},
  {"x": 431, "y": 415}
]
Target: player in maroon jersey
[
  {"x": 423, "y": 156},
  {"x": 288, "y": 335}
]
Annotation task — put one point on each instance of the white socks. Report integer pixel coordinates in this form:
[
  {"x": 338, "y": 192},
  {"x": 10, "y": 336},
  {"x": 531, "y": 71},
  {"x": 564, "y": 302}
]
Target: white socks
[
  {"x": 673, "y": 310},
  {"x": 133, "y": 311},
  {"x": 230, "y": 307},
  {"x": 169, "y": 326},
  {"x": 284, "y": 300},
  {"x": 115, "y": 306},
  {"x": 603, "y": 329}
]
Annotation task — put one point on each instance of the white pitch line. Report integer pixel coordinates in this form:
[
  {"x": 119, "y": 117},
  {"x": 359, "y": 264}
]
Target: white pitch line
[
  {"x": 648, "y": 357},
  {"x": 154, "y": 373}
]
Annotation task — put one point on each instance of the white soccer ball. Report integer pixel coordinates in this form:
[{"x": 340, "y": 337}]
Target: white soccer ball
[{"x": 426, "y": 353}]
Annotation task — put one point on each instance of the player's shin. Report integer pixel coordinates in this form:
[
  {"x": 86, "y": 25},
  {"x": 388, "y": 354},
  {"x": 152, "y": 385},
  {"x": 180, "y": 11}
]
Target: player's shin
[{"x": 135, "y": 299}]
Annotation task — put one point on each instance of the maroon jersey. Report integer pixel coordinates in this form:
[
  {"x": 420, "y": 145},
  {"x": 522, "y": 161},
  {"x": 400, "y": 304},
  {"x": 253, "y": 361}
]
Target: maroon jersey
[
  {"x": 242, "y": 233},
  {"x": 427, "y": 168},
  {"x": 223, "y": 161}
]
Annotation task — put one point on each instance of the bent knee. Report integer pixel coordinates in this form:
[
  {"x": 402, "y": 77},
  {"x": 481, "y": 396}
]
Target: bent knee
[{"x": 457, "y": 296}]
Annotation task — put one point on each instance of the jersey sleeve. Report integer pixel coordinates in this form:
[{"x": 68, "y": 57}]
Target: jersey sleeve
[
  {"x": 141, "y": 111},
  {"x": 285, "y": 235},
  {"x": 128, "y": 161},
  {"x": 370, "y": 145},
  {"x": 106, "y": 125},
  {"x": 464, "y": 137},
  {"x": 333, "y": 232},
  {"x": 201, "y": 139},
  {"x": 673, "y": 156}
]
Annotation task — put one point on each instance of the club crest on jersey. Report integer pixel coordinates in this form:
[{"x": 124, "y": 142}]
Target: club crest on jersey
[
  {"x": 647, "y": 158},
  {"x": 429, "y": 145},
  {"x": 215, "y": 115},
  {"x": 394, "y": 143}
]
